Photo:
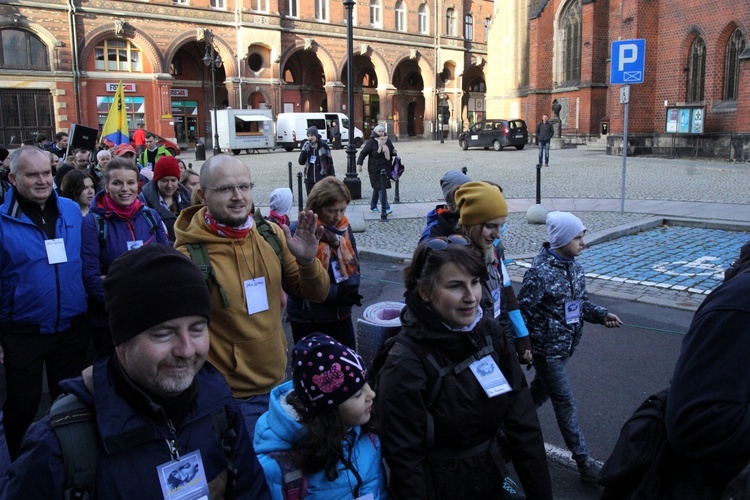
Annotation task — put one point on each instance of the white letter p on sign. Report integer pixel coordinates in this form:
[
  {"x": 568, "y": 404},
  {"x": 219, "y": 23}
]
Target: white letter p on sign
[{"x": 631, "y": 50}]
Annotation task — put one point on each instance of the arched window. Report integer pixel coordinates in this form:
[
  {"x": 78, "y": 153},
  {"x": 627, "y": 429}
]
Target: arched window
[
  {"x": 23, "y": 50},
  {"x": 400, "y": 16},
  {"x": 569, "y": 32},
  {"x": 423, "y": 14},
  {"x": 376, "y": 14},
  {"x": 468, "y": 27},
  {"x": 696, "y": 70},
  {"x": 117, "y": 55},
  {"x": 735, "y": 46},
  {"x": 450, "y": 22}
]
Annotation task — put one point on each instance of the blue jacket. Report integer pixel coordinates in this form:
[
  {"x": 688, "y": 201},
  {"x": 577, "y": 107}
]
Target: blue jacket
[
  {"x": 97, "y": 259},
  {"x": 546, "y": 286},
  {"x": 278, "y": 430},
  {"x": 132, "y": 445},
  {"x": 38, "y": 297},
  {"x": 304, "y": 311}
]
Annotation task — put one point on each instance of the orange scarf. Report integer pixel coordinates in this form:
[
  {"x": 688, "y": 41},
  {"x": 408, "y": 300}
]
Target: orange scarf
[{"x": 336, "y": 240}]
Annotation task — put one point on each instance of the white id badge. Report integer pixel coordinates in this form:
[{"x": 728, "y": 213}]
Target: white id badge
[
  {"x": 490, "y": 377},
  {"x": 183, "y": 479},
  {"x": 150, "y": 166},
  {"x": 132, "y": 245},
  {"x": 572, "y": 311},
  {"x": 256, "y": 297},
  {"x": 369, "y": 496},
  {"x": 56, "y": 251},
  {"x": 312, "y": 159},
  {"x": 336, "y": 268},
  {"x": 496, "y": 302}
]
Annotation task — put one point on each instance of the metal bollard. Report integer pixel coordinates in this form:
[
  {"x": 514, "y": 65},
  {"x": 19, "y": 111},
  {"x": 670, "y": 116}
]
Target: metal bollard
[
  {"x": 291, "y": 182},
  {"x": 396, "y": 194},
  {"x": 299, "y": 190},
  {"x": 190, "y": 165},
  {"x": 464, "y": 170},
  {"x": 383, "y": 195},
  {"x": 538, "y": 183}
]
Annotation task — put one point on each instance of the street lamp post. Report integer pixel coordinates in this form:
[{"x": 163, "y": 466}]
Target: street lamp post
[
  {"x": 351, "y": 181},
  {"x": 213, "y": 60}
]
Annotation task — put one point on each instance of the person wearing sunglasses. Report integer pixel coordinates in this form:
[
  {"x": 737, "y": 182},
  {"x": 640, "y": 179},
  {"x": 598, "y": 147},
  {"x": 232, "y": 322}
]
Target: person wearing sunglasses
[
  {"x": 483, "y": 212},
  {"x": 453, "y": 404},
  {"x": 337, "y": 251}
]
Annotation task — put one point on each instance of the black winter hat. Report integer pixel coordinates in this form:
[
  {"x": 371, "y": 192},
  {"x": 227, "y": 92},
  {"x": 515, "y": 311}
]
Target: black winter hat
[
  {"x": 150, "y": 285},
  {"x": 313, "y": 130}
]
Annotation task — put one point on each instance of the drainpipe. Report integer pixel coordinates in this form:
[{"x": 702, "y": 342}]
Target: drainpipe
[
  {"x": 436, "y": 122},
  {"x": 74, "y": 48},
  {"x": 238, "y": 28}
]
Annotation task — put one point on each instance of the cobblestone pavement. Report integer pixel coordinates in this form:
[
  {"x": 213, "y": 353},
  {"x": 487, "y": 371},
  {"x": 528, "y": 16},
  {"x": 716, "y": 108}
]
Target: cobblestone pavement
[{"x": 573, "y": 173}]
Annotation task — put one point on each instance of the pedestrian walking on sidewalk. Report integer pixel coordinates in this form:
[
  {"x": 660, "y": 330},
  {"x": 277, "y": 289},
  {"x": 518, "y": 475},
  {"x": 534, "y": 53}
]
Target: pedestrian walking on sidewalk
[
  {"x": 544, "y": 133},
  {"x": 554, "y": 303},
  {"x": 379, "y": 152}
]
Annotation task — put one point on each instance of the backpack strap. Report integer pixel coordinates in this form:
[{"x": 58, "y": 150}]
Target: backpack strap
[
  {"x": 199, "y": 254},
  {"x": 73, "y": 424},
  {"x": 101, "y": 227},
  {"x": 150, "y": 220},
  {"x": 226, "y": 435},
  {"x": 265, "y": 230},
  {"x": 294, "y": 482}
]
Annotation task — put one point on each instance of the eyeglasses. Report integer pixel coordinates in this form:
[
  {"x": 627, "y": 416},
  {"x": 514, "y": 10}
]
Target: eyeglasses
[
  {"x": 442, "y": 242},
  {"x": 242, "y": 188}
]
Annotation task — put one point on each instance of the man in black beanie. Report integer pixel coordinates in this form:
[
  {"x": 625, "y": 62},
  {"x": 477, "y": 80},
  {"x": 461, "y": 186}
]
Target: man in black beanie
[{"x": 155, "y": 404}]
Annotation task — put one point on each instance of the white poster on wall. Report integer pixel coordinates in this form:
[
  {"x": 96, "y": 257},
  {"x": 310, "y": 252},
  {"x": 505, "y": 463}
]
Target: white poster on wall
[{"x": 288, "y": 107}]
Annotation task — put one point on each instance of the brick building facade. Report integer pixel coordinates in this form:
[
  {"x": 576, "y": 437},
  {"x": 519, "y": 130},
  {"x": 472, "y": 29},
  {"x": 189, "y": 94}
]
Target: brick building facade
[{"x": 62, "y": 59}]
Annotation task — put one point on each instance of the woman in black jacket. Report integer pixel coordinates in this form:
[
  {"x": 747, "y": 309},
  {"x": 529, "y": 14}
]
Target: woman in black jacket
[
  {"x": 379, "y": 151},
  {"x": 450, "y": 436}
]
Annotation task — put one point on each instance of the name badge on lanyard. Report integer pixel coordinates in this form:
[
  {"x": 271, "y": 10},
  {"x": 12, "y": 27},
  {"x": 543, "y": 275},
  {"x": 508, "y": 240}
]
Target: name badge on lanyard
[
  {"x": 497, "y": 301},
  {"x": 256, "y": 297},
  {"x": 490, "y": 377},
  {"x": 312, "y": 159},
  {"x": 56, "y": 251},
  {"x": 572, "y": 312},
  {"x": 183, "y": 478}
]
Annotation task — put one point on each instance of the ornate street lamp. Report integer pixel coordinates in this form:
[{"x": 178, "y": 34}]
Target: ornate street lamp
[
  {"x": 352, "y": 180},
  {"x": 213, "y": 60}
]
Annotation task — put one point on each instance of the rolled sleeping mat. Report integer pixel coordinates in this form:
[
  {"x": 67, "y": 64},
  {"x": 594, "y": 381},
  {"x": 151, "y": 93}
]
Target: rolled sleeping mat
[{"x": 379, "y": 321}]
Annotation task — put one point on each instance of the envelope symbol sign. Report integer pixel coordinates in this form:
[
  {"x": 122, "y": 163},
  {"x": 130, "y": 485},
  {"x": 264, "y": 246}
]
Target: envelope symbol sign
[{"x": 631, "y": 76}]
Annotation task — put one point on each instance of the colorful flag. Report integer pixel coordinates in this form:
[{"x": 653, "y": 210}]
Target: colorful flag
[{"x": 115, "y": 129}]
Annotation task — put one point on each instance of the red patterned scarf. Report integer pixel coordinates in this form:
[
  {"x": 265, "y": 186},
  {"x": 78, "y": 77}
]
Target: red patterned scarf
[
  {"x": 236, "y": 233},
  {"x": 337, "y": 239}
]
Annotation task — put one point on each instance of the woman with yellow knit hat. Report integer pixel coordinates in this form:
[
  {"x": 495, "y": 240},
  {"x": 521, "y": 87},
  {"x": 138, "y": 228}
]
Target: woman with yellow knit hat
[{"x": 483, "y": 212}]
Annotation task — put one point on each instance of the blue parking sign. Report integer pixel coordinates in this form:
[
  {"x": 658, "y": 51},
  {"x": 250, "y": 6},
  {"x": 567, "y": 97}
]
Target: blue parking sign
[{"x": 628, "y": 61}]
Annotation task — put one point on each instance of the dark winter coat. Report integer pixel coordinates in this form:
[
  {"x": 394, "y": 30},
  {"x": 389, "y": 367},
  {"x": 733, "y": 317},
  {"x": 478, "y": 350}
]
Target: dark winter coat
[
  {"x": 150, "y": 196},
  {"x": 464, "y": 416},
  {"x": 550, "y": 282},
  {"x": 133, "y": 444},
  {"x": 97, "y": 258},
  {"x": 304, "y": 311},
  {"x": 323, "y": 164},
  {"x": 707, "y": 417},
  {"x": 544, "y": 132},
  {"x": 376, "y": 162}
]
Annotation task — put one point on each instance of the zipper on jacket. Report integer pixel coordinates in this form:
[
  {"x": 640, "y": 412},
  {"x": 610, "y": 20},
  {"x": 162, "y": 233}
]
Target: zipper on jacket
[
  {"x": 174, "y": 449},
  {"x": 349, "y": 465}
]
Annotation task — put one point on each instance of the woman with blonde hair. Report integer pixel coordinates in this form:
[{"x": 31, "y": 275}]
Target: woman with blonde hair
[{"x": 337, "y": 251}]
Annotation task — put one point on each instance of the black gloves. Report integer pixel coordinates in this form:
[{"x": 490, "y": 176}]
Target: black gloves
[{"x": 348, "y": 295}]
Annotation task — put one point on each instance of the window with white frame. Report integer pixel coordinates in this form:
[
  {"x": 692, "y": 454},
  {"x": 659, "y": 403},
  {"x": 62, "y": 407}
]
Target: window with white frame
[
  {"x": 180, "y": 2},
  {"x": 487, "y": 26},
  {"x": 450, "y": 22},
  {"x": 468, "y": 27},
  {"x": 354, "y": 14},
  {"x": 321, "y": 10},
  {"x": 292, "y": 8},
  {"x": 117, "y": 55},
  {"x": 400, "y": 16},
  {"x": 735, "y": 46},
  {"x": 423, "y": 15},
  {"x": 259, "y": 5},
  {"x": 219, "y": 4},
  {"x": 376, "y": 14}
]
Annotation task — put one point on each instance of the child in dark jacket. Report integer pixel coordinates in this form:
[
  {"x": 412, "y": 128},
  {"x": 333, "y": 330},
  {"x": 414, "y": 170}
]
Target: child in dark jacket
[{"x": 554, "y": 303}]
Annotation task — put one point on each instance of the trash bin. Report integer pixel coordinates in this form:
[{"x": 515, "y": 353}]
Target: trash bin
[
  {"x": 200, "y": 151},
  {"x": 379, "y": 322}
]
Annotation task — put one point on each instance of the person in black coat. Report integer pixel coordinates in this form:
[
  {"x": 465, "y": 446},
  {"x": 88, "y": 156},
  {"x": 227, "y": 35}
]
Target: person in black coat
[
  {"x": 379, "y": 151},
  {"x": 454, "y": 442},
  {"x": 316, "y": 157}
]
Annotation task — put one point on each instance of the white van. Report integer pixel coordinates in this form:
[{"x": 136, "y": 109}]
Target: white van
[
  {"x": 291, "y": 128},
  {"x": 249, "y": 129}
]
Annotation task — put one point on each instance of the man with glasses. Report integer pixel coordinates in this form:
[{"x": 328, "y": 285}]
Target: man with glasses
[{"x": 245, "y": 275}]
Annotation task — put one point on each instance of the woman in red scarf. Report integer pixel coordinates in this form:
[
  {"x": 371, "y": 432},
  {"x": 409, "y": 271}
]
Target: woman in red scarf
[
  {"x": 117, "y": 223},
  {"x": 337, "y": 251}
]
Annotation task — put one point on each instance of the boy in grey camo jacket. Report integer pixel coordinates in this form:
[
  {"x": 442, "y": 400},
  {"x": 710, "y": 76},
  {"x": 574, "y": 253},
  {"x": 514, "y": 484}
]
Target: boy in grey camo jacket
[{"x": 554, "y": 304}]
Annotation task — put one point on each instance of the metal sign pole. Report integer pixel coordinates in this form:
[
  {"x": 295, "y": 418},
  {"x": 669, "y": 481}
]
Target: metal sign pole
[{"x": 624, "y": 98}]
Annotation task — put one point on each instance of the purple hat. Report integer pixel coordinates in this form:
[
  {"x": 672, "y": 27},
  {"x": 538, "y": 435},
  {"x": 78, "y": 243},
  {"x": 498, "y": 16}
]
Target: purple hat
[{"x": 325, "y": 372}]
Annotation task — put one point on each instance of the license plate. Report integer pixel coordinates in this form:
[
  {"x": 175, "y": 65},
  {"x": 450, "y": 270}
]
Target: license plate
[{"x": 520, "y": 136}]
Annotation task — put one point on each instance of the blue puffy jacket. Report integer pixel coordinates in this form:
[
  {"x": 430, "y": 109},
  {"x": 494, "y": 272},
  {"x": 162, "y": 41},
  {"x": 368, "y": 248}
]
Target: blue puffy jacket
[
  {"x": 278, "y": 430},
  {"x": 97, "y": 258},
  {"x": 304, "y": 311},
  {"x": 133, "y": 445},
  {"x": 38, "y": 297}
]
